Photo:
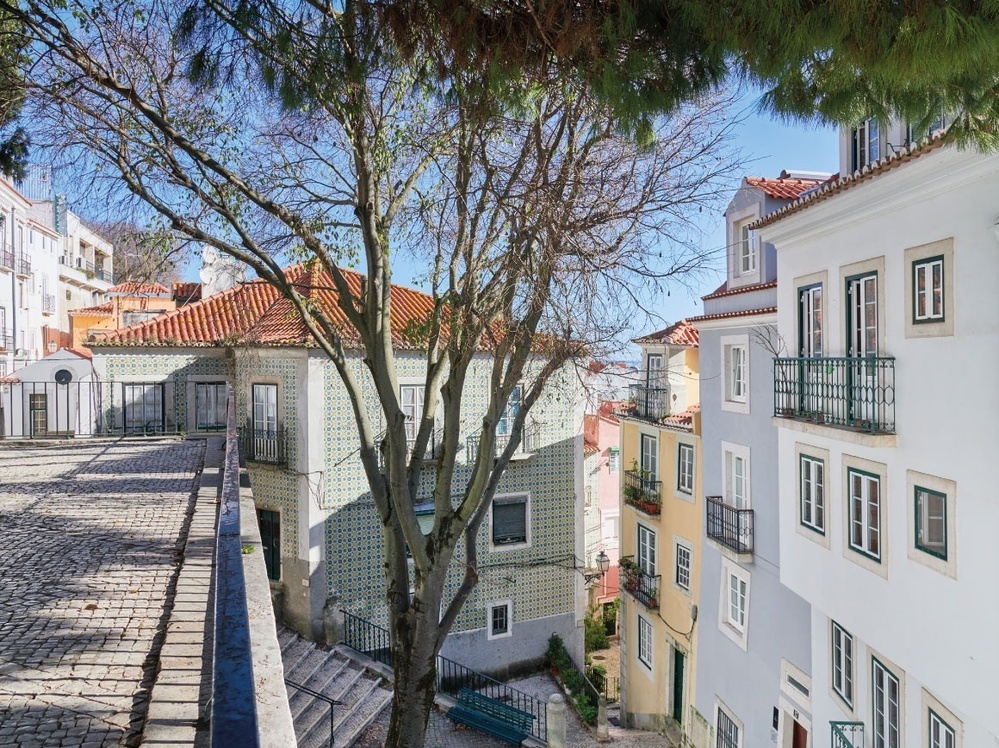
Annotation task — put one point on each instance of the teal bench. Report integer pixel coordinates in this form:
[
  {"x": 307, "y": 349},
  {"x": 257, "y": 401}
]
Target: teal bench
[{"x": 491, "y": 716}]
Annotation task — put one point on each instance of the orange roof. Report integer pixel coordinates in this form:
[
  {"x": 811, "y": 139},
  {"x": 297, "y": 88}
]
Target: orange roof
[
  {"x": 186, "y": 291},
  {"x": 679, "y": 333},
  {"x": 589, "y": 447},
  {"x": 256, "y": 312},
  {"x": 134, "y": 287},
  {"x": 783, "y": 188},
  {"x": 723, "y": 289},
  {"x": 838, "y": 184},
  {"x": 684, "y": 420},
  {"x": 101, "y": 310},
  {"x": 740, "y": 313}
]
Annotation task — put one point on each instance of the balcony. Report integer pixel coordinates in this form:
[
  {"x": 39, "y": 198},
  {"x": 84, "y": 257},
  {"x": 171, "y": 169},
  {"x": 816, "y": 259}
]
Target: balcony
[
  {"x": 23, "y": 264},
  {"x": 264, "y": 445},
  {"x": 6, "y": 340},
  {"x": 731, "y": 527},
  {"x": 78, "y": 271},
  {"x": 647, "y": 402},
  {"x": 847, "y": 734},
  {"x": 643, "y": 492},
  {"x": 851, "y": 393},
  {"x": 48, "y": 303},
  {"x": 641, "y": 586},
  {"x": 6, "y": 259},
  {"x": 530, "y": 443}
]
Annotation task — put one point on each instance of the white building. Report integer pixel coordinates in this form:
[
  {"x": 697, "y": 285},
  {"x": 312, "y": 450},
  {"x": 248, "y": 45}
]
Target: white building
[
  {"x": 887, "y": 309},
  {"x": 49, "y": 264}
]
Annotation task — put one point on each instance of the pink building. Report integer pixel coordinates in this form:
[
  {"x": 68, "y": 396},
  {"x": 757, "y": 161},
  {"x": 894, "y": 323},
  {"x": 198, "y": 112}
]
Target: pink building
[{"x": 602, "y": 466}]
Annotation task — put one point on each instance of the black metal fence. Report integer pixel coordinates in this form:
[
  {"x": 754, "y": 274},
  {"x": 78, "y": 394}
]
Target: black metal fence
[
  {"x": 640, "y": 585},
  {"x": 375, "y": 642},
  {"x": 234, "y": 711},
  {"x": 856, "y": 393},
  {"x": 731, "y": 527},
  {"x": 264, "y": 445},
  {"x": 530, "y": 442},
  {"x": 651, "y": 403},
  {"x": 611, "y": 689},
  {"x": 643, "y": 492},
  {"x": 46, "y": 410}
]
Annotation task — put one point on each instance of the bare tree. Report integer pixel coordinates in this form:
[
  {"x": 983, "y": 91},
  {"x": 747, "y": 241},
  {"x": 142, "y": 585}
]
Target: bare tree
[
  {"x": 142, "y": 255},
  {"x": 542, "y": 227}
]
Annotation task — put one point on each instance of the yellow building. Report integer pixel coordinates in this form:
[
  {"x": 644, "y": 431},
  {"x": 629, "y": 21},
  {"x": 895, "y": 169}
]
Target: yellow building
[
  {"x": 129, "y": 303},
  {"x": 660, "y": 536}
]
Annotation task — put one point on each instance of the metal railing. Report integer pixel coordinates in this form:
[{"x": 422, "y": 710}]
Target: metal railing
[
  {"x": 643, "y": 492},
  {"x": 7, "y": 259},
  {"x": 48, "y": 303},
  {"x": 855, "y": 393},
  {"x": 648, "y": 402},
  {"x": 234, "y": 711},
  {"x": 530, "y": 442},
  {"x": 611, "y": 689},
  {"x": 847, "y": 734},
  {"x": 23, "y": 266},
  {"x": 6, "y": 339},
  {"x": 375, "y": 642},
  {"x": 318, "y": 697},
  {"x": 640, "y": 585},
  {"x": 731, "y": 527},
  {"x": 264, "y": 445}
]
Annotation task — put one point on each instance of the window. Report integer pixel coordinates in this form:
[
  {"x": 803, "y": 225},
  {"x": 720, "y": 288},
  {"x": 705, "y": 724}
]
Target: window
[
  {"x": 210, "y": 405},
  {"x": 842, "y": 663},
  {"x": 865, "y": 513},
  {"x": 265, "y": 411},
  {"x": 685, "y": 468},
  {"x": 942, "y": 735},
  {"x": 736, "y": 381},
  {"x": 647, "y": 550},
  {"x": 810, "y": 321},
  {"x": 931, "y": 522},
  {"x": 270, "y": 539},
  {"x": 500, "y": 623},
  {"x": 866, "y": 144},
  {"x": 654, "y": 369},
  {"x": 650, "y": 457},
  {"x": 510, "y": 520},
  {"x": 645, "y": 642},
  {"x": 610, "y": 527},
  {"x": 737, "y": 595},
  {"x": 726, "y": 730},
  {"x": 737, "y": 476},
  {"x": 928, "y": 290},
  {"x": 143, "y": 408},
  {"x": 613, "y": 461},
  {"x": 504, "y": 427},
  {"x": 813, "y": 493},
  {"x": 862, "y": 292},
  {"x": 411, "y": 397},
  {"x": 682, "y": 566},
  {"x": 747, "y": 249},
  {"x": 886, "y": 707}
]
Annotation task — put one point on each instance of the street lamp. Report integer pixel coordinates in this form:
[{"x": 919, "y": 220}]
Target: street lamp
[{"x": 603, "y": 564}]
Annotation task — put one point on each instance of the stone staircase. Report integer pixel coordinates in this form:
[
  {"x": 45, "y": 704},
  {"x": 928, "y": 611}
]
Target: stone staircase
[{"x": 334, "y": 674}]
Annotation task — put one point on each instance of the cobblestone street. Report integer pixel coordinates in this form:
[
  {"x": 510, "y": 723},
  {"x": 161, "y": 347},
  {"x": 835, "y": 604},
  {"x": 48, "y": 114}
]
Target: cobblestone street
[{"x": 92, "y": 536}]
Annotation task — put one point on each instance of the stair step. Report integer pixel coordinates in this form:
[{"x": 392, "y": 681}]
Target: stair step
[
  {"x": 350, "y": 718},
  {"x": 357, "y": 721},
  {"x": 313, "y": 712},
  {"x": 326, "y": 680}
]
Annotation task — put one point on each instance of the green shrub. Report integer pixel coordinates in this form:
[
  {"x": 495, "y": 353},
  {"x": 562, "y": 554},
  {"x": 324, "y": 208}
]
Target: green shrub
[
  {"x": 610, "y": 617},
  {"x": 595, "y": 633}
]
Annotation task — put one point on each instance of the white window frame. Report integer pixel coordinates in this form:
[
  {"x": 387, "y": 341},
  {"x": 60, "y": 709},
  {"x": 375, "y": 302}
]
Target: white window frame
[
  {"x": 738, "y": 491},
  {"x": 871, "y": 534},
  {"x": 685, "y": 468},
  {"x": 931, "y": 707},
  {"x": 646, "y": 643},
  {"x": 843, "y": 671},
  {"x": 413, "y": 410},
  {"x": 810, "y": 319},
  {"x": 725, "y": 740},
  {"x": 683, "y": 558},
  {"x": 738, "y": 594},
  {"x": 884, "y": 732},
  {"x": 614, "y": 461},
  {"x": 735, "y": 398},
  {"x": 646, "y": 549},
  {"x": 863, "y": 136},
  {"x": 812, "y": 492},
  {"x": 202, "y": 389},
  {"x": 941, "y": 734},
  {"x": 735, "y": 628},
  {"x": 508, "y": 605},
  {"x": 928, "y": 293},
  {"x": 648, "y": 453},
  {"x": 748, "y": 255},
  {"x": 511, "y": 498},
  {"x": 504, "y": 426},
  {"x": 263, "y": 419},
  {"x": 610, "y": 520},
  {"x": 654, "y": 375}
]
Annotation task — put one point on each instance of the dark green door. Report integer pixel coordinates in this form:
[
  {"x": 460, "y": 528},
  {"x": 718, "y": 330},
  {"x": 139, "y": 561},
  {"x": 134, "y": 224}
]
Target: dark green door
[
  {"x": 270, "y": 538},
  {"x": 678, "y": 662}
]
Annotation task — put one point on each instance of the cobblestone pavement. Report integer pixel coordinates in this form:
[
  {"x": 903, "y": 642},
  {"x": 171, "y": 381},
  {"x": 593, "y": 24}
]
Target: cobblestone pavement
[{"x": 92, "y": 535}]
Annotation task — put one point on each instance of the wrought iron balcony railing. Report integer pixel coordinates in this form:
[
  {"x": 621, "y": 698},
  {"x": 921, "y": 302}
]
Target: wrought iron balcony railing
[
  {"x": 640, "y": 585},
  {"x": 854, "y": 393},
  {"x": 6, "y": 259},
  {"x": 530, "y": 442},
  {"x": 731, "y": 527},
  {"x": 643, "y": 492},
  {"x": 48, "y": 303},
  {"x": 264, "y": 445},
  {"x": 23, "y": 266},
  {"x": 6, "y": 340},
  {"x": 648, "y": 402},
  {"x": 847, "y": 734}
]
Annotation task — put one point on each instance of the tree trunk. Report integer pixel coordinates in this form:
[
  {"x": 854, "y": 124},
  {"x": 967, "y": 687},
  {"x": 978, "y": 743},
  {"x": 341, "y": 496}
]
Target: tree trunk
[{"x": 415, "y": 687}]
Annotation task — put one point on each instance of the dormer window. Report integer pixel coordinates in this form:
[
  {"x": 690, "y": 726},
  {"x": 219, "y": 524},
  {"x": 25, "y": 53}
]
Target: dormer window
[
  {"x": 866, "y": 144},
  {"x": 747, "y": 250}
]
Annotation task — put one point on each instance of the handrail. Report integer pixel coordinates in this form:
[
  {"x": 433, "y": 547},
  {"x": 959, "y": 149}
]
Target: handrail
[
  {"x": 234, "y": 713},
  {"x": 839, "y": 736},
  {"x": 374, "y": 641},
  {"x": 730, "y": 526},
  {"x": 322, "y": 697}
]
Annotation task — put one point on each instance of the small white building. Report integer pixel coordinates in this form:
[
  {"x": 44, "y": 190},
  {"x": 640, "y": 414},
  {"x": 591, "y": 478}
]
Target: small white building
[{"x": 888, "y": 316}]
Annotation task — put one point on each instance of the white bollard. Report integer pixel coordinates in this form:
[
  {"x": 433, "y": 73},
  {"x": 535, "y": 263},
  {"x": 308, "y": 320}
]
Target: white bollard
[
  {"x": 556, "y": 721},
  {"x": 603, "y": 729}
]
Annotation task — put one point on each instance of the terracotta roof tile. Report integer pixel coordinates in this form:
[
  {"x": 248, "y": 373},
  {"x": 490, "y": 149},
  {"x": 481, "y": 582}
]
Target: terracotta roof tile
[
  {"x": 740, "y": 313},
  {"x": 185, "y": 292},
  {"x": 684, "y": 420},
  {"x": 101, "y": 310},
  {"x": 134, "y": 288},
  {"x": 838, "y": 184},
  {"x": 255, "y": 312},
  {"x": 723, "y": 289},
  {"x": 783, "y": 188},
  {"x": 679, "y": 333}
]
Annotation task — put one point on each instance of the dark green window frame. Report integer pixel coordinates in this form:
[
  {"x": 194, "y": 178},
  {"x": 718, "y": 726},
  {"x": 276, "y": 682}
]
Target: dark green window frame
[
  {"x": 918, "y": 521},
  {"x": 849, "y": 513},
  {"x": 848, "y": 679},
  {"x": 269, "y": 522},
  {"x": 802, "y": 326},
  {"x": 943, "y": 291},
  {"x": 889, "y": 673},
  {"x": 801, "y": 498},
  {"x": 929, "y": 726}
]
